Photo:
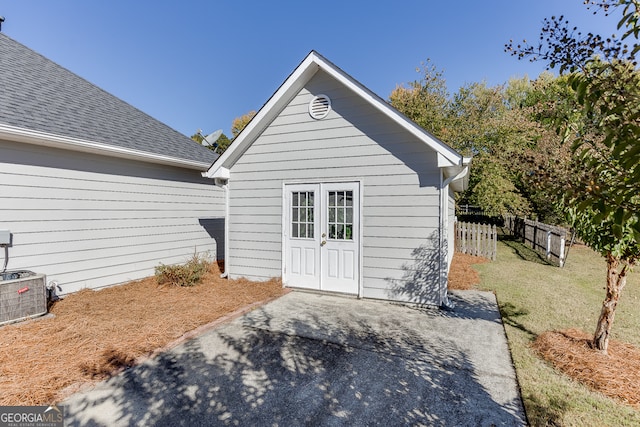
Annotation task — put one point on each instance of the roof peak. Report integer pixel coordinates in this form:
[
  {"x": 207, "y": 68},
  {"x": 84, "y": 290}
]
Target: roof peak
[{"x": 314, "y": 61}]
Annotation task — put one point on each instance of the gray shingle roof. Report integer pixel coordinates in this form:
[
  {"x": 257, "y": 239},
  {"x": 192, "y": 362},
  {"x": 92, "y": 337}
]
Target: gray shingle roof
[{"x": 38, "y": 94}]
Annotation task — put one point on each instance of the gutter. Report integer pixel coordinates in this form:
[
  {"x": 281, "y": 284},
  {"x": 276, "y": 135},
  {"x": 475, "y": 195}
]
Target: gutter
[{"x": 28, "y": 136}]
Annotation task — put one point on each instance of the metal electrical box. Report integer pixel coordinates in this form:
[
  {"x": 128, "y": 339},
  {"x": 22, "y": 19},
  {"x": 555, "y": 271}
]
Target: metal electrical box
[{"x": 5, "y": 237}]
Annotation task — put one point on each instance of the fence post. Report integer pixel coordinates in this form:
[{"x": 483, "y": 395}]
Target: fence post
[
  {"x": 547, "y": 239},
  {"x": 476, "y": 239},
  {"x": 495, "y": 243}
]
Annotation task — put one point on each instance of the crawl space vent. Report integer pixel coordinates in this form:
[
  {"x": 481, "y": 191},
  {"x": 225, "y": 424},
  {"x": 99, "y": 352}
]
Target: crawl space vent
[{"x": 319, "y": 107}]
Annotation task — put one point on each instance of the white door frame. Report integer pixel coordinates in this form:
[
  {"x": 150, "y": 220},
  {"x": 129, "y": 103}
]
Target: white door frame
[{"x": 286, "y": 221}]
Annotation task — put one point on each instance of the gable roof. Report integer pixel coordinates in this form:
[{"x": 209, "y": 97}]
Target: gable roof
[
  {"x": 44, "y": 103},
  {"x": 451, "y": 161}
]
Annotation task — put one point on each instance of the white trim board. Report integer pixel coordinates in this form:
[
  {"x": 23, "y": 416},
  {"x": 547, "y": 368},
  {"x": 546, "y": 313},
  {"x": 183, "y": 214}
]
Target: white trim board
[{"x": 448, "y": 158}]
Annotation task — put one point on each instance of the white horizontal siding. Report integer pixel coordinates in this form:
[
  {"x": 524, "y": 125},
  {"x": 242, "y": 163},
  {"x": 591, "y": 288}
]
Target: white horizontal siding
[
  {"x": 399, "y": 176},
  {"x": 248, "y": 245},
  {"x": 89, "y": 221},
  {"x": 399, "y": 181}
]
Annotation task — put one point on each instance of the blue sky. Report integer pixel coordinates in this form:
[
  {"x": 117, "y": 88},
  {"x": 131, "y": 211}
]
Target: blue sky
[{"x": 199, "y": 64}]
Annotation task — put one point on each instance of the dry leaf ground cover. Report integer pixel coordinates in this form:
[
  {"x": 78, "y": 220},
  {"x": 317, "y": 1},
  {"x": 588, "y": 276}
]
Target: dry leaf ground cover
[{"x": 93, "y": 334}]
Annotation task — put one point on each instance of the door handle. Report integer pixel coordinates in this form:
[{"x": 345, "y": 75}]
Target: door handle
[{"x": 324, "y": 242}]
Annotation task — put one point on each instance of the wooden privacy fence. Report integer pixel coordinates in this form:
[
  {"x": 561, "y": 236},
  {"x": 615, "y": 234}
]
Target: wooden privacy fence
[
  {"x": 476, "y": 239},
  {"x": 541, "y": 237}
]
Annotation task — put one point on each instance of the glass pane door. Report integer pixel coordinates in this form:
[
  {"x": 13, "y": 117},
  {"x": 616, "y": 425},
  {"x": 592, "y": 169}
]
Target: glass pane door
[
  {"x": 340, "y": 215},
  {"x": 302, "y": 220}
]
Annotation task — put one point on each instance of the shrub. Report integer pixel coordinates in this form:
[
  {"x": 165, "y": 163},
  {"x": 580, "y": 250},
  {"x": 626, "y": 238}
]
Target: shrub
[{"x": 187, "y": 274}]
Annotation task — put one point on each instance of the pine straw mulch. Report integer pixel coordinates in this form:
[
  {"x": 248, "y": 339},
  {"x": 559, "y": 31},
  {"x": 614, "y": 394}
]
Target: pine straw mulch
[
  {"x": 616, "y": 375},
  {"x": 462, "y": 276},
  {"x": 95, "y": 334}
]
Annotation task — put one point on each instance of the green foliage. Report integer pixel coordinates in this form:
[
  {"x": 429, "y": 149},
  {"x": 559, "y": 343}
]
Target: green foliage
[
  {"x": 492, "y": 188},
  {"x": 425, "y": 101},
  {"x": 603, "y": 127},
  {"x": 239, "y": 123},
  {"x": 486, "y": 124},
  {"x": 480, "y": 121},
  {"x": 221, "y": 145},
  {"x": 601, "y": 121},
  {"x": 188, "y": 274},
  {"x": 198, "y": 137},
  {"x": 606, "y": 138}
]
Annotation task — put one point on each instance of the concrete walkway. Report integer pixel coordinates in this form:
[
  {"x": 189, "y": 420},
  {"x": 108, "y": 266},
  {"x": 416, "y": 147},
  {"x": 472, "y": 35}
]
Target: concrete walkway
[{"x": 310, "y": 359}]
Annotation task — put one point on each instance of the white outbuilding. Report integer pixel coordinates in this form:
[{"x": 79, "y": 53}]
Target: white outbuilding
[{"x": 334, "y": 190}]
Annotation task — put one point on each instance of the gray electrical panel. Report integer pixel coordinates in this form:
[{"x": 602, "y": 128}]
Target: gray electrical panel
[{"x": 5, "y": 237}]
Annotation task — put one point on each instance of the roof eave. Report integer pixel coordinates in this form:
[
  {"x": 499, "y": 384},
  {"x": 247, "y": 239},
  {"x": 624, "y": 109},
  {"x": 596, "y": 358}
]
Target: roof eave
[
  {"x": 458, "y": 175},
  {"x": 443, "y": 150},
  {"x": 265, "y": 115},
  {"x": 447, "y": 156},
  {"x": 28, "y": 136}
]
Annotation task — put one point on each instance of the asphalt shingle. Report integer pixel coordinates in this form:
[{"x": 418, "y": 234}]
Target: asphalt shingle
[{"x": 38, "y": 94}]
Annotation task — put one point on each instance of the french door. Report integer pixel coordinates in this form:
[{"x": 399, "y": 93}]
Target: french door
[{"x": 322, "y": 236}]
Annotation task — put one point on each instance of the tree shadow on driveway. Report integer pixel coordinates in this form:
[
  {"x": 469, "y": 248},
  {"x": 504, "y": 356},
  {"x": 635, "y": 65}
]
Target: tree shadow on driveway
[{"x": 309, "y": 360}]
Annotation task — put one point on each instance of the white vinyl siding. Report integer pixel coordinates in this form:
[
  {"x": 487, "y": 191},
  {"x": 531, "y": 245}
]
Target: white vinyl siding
[
  {"x": 89, "y": 221},
  {"x": 355, "y": 142}
]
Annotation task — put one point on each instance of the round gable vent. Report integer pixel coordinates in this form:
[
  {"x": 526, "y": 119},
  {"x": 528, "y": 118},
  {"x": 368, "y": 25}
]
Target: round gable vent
[{"x": 319, "y": 107}]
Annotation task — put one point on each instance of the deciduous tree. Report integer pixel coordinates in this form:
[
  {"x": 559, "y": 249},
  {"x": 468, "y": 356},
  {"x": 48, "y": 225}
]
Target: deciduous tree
[
  {"x": 478, "y": 121},
  {"x": 603, "y": 128},
  {"x": 425, "y": 101},
  {"x": 222, "y": 143},
  {"x": 239, "y": 123}
]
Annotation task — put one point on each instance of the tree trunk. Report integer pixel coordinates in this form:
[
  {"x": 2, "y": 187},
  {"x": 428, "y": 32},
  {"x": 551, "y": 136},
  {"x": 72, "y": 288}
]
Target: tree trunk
[{"x": 615, "y": 283}]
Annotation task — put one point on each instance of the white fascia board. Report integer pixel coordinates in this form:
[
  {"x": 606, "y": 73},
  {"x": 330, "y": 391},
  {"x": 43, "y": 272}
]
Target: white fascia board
[
  {"x": 28, "y": 136},
  {"x": 444, "y": 162},
  {"x": 448, "y": 154},
  {"x": 222, "y": 173},
  {"x": 291, "y": 86}
]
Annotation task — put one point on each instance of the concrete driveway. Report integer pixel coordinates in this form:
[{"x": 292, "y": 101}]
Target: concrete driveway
[{"x": 310, "y": 359}]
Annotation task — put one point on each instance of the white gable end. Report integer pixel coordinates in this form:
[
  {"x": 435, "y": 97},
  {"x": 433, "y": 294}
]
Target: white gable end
[
  {"x": 447, "y": 157},
  {"x": 331, "y": 188}
]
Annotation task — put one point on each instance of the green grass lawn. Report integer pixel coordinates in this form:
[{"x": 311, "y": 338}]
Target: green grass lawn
[{"x": 535, "y": 297}]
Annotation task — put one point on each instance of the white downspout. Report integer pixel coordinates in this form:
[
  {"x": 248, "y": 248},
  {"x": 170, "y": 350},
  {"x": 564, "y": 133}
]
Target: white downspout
[
  {"x": 226, "y": 230},
  {"x": 224, "y": 183},
  {"x": 444, "y": 298},
  {"x": 444, "y": 230}
]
